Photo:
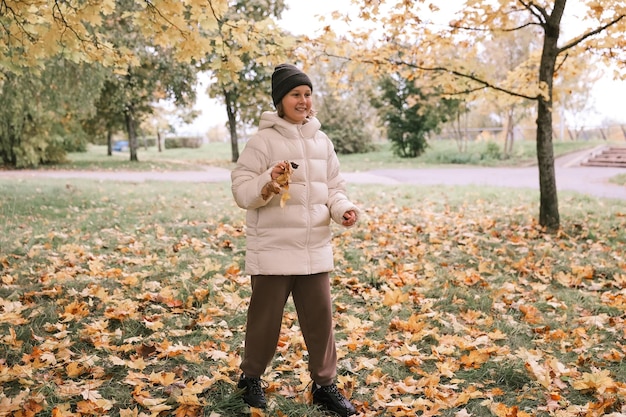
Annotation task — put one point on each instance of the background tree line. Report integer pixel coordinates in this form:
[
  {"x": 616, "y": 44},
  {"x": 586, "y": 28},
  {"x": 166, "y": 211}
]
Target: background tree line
[{"x": 71, "y": 72}]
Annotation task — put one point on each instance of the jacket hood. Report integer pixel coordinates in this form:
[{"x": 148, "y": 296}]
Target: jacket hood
[{"x": 271, "y": 120}]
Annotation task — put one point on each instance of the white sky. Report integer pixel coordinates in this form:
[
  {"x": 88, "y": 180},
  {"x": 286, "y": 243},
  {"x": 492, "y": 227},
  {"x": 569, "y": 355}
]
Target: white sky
[{"x": 302, "y": 18}]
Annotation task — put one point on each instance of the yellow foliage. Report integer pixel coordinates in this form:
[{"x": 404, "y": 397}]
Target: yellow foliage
[{"x": 193, "y": 29}]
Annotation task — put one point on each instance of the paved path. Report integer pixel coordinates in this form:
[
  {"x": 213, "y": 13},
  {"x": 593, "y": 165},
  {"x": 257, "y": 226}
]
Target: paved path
[
  {"x": 592, "y": 181},
  {"x": 569, "y": 176}
]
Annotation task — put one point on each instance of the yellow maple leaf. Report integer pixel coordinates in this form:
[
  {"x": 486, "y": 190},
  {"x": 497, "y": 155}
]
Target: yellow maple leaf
[
  {"x": 448, "y": 367},
  {"x": 11, "y": 339},
  {"x": 162, "y": 378},
  {"x": 286, "y": 196},
  {"x": 64, "y": 410},
  {"x": 283, "y": 181},
  {"x": 90, "y": 394},
  {"x": 540, "y": 373},
  {"x": 74, "y": 369},
  {"x": 87, "y": 407},
  {"x": 502, "y": 410},
  {"x": 474, "y": 359},
  {"x": 395, "y": 297},
  {"x": 138, "y": 364},
  {"x": 598, "y": 381},
  {"x": 531, "y": 313},
  {"x": 75, "y": 310},
  {"x": 188, "y": 399},
  {"x": 584, "y": 272},
  {"x": 256, "y": 412}
]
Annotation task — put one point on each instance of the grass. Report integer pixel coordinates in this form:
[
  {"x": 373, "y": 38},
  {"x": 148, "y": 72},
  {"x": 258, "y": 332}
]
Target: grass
[
  {"x": 447, "y": 298},
  {"x": 150, "y": 159},
  {"x": 446, "y": 152},
  {"x": 619, "y": 179},
  {"x": 218, "y": 154}
]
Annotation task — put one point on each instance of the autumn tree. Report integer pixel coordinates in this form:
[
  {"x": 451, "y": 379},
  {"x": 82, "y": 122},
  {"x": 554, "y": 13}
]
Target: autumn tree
[
  {"x": 41, "y": 112},
  {"x": 515, "y": 51},
  {"x": 572, "y": 95},
  {"x": 108, "y": 117},
  {"x": 245, "y": 92},
  {"x": 129, "y": 97},
  {"x": 389, "y": 26},
  {"x": 344, "y": 109},
  {"x": 174, "y": 33}
]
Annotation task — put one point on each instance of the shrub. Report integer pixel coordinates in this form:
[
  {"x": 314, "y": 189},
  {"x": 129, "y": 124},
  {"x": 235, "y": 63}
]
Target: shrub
[{"x": 183, "y": 142}]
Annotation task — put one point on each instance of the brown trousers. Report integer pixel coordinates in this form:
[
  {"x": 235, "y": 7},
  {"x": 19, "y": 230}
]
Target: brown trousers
[{"x": 311, "y": 296}]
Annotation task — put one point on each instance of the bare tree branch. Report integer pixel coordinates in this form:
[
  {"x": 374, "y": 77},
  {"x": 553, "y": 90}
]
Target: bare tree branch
[
  {"x": 478, "y": 80},
  {"x": 539, "y": 12},
  {"x": 590, "y": 34},
  {"x": 513, "y": 29}
]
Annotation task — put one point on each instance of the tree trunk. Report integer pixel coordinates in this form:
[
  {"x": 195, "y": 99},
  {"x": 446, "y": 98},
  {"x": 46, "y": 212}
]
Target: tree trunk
[
  {"x": 132, "y": 135},
  {"x": 232, "y": 125},
  {"x": 460, "y": 134},
  {"x": 109, "y": 142},
  {"x": 549, "y": 206},
  {"x": 509, "y": 138},
  {"x": 159, "y": 140}
]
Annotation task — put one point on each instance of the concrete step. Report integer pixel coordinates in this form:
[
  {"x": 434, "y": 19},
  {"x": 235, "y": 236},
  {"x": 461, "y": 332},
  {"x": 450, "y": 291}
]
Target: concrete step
[{"x": 609, "y": 157}]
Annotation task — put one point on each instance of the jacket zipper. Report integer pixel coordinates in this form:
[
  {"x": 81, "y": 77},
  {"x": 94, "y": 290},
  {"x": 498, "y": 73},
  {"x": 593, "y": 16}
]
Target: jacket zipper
[{"x": 307, "y": 199}]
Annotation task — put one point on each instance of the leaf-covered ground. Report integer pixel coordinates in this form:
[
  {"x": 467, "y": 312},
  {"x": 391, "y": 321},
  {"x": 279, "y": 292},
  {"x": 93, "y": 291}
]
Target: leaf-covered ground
[{"x": 129, "y": 300}]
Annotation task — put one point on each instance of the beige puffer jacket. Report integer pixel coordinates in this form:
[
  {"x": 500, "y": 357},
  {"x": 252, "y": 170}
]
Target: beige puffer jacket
[{"x": 296, "y": 239}]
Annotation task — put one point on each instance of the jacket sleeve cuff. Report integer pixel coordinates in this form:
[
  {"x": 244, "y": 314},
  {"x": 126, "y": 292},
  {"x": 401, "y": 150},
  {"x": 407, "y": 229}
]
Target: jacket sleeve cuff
[
  {"x": 248, "y": 194},
  {"x": 339, "y": 210}
]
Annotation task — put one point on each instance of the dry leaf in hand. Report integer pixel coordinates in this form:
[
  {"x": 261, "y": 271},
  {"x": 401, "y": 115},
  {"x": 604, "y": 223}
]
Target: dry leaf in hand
[
  {"x": 273, "y": 187},
  {"x": 283, "y": 180},
  {"x": 270, "y": 189}
]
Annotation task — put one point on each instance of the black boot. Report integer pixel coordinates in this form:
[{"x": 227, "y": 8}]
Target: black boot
[
  {"x": 331, "y": 399},
  {"x": 253, "y": 394}
]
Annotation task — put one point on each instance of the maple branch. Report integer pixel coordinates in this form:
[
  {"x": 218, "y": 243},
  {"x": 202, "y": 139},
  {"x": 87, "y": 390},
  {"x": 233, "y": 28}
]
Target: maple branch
[
  {"x": 459, "y": 74},
  {"x": 558, "y": 67},
  {"x": 539, "y": 12},
  {"x": 220, "y": 24},
  {"x": 58, "y": 15},
  {"x": 590, "y": 34},
  {"x": 483, "y": 83},
  {"x": 155, "y": 10},
  {"x": 464, "y": 92},
  {"x": 513, "y": 29},
  {"x": 20, "y": 23}
]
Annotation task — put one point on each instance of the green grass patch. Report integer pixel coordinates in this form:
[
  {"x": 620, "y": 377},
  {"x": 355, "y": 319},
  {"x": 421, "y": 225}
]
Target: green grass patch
[
  {"x": 447, "y": 152},
  {"x": 619, "y": 179},
  {"x": 218, "y": 154}
]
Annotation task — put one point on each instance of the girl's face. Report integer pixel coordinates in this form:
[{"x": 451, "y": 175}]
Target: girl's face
[{"x": 297, "y": 104}]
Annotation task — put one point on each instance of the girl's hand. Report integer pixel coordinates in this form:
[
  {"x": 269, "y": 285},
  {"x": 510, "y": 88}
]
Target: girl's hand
[
  {"x": 270, "y": 189},
  {"x": 279, "y": 169},
  {"x": 349, "y": 218}
]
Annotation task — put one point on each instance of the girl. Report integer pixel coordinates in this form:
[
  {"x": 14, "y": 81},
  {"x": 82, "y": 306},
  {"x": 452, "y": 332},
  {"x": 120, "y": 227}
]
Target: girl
[{"x": 289, "y": 237}]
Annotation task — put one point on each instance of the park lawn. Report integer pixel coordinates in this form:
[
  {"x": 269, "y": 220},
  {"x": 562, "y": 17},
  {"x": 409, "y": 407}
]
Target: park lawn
[
  {"x": 218, "y": 154},
  {"x": 129, "y": 299}
]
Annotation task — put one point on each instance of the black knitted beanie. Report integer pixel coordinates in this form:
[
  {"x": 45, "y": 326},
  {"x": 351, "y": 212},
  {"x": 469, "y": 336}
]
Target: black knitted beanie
[{"x": 285, "y": 78}]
